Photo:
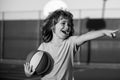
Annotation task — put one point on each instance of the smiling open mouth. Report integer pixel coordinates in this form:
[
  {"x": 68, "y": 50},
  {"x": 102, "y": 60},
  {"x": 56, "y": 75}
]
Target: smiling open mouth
[{"x": 65, "y": 32}]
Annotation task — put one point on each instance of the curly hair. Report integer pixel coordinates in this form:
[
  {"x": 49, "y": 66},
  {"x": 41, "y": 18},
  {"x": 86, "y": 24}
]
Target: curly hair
[{"x": 53, "y": 19}]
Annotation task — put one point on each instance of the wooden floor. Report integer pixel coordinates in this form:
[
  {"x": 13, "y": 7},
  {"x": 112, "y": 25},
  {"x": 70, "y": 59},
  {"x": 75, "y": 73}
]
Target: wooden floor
[{"x": 16, "y": 72}]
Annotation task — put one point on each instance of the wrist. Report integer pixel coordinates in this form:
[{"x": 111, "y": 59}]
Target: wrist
[{"x": 104, "y": 32}]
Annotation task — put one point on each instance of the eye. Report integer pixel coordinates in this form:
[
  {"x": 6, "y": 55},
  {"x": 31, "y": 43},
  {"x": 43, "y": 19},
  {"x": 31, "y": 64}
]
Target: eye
[{"x": 63, "y": 23}]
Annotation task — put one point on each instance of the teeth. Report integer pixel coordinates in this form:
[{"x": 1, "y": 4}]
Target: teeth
[{"x": 66, "y": 32}]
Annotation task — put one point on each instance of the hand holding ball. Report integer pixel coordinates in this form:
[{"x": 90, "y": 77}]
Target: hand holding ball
[{"x": 40, "y": 62}]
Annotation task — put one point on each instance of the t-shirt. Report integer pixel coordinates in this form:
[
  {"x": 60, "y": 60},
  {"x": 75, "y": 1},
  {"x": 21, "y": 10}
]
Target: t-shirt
[{"x": 63, "y": 59}]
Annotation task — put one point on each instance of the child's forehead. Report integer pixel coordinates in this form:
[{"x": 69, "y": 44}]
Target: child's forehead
[{"x": 62, "y": 19}]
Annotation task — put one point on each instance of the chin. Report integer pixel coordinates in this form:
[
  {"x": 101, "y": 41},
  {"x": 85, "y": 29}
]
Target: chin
[{"x": 65, "y": 37}]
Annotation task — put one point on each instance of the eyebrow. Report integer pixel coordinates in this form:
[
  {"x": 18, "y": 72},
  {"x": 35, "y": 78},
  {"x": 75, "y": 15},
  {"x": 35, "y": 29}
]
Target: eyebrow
[{"x": 64, "y": 20}]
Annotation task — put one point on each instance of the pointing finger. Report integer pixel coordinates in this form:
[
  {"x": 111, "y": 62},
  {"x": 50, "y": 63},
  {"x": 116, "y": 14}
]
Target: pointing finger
[{"x": 117, "y": 30}]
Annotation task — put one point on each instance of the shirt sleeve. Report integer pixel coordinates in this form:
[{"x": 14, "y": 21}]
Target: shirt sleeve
[
  {"x": 74, "y": 45},
  {"x": 41, "y": 47}
]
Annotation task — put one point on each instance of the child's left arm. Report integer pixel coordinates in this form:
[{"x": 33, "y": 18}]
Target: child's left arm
[{"x": 94, "y": 34}]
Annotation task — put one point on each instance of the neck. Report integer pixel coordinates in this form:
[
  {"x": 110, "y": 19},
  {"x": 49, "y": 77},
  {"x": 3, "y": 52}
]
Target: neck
[{"x": 56, "y": 40}]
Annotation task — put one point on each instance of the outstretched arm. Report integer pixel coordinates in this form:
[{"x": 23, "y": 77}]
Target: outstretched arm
[{"x": 95, "y": 34}]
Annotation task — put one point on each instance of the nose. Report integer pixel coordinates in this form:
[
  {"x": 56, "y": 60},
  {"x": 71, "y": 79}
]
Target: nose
[{"x": 66, "y": 27}]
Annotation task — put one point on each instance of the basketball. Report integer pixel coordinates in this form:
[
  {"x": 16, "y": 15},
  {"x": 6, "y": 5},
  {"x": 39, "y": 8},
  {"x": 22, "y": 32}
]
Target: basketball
[{"x": 41, "y": 61}]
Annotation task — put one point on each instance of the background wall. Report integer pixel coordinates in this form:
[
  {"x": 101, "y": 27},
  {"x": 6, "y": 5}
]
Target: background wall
[
  {"x": 17, "y": 5},
  {"x": 112, "y": 7}
]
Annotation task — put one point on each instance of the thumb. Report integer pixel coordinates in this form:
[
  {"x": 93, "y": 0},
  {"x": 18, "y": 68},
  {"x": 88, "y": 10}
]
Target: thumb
[
  {"x": 32, "y": 70},
  {"x": 113, "y": 35}
]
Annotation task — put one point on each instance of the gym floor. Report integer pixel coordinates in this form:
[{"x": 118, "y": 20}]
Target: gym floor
[{"x": 15, "y": 72}]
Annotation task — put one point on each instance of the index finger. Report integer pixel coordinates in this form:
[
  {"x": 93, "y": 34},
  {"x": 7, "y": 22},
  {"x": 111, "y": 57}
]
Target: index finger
[{"x": 117, "y": 30}]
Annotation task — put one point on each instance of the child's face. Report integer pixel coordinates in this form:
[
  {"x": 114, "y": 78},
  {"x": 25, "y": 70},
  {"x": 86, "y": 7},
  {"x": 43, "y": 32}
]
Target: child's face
[{"x": 62, "y": 29}]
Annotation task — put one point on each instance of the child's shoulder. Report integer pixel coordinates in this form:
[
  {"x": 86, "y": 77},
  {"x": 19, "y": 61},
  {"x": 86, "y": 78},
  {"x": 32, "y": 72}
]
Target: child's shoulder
[
  {"x": 42, "y": 45},
  {"x": 72, "y": 38}
]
